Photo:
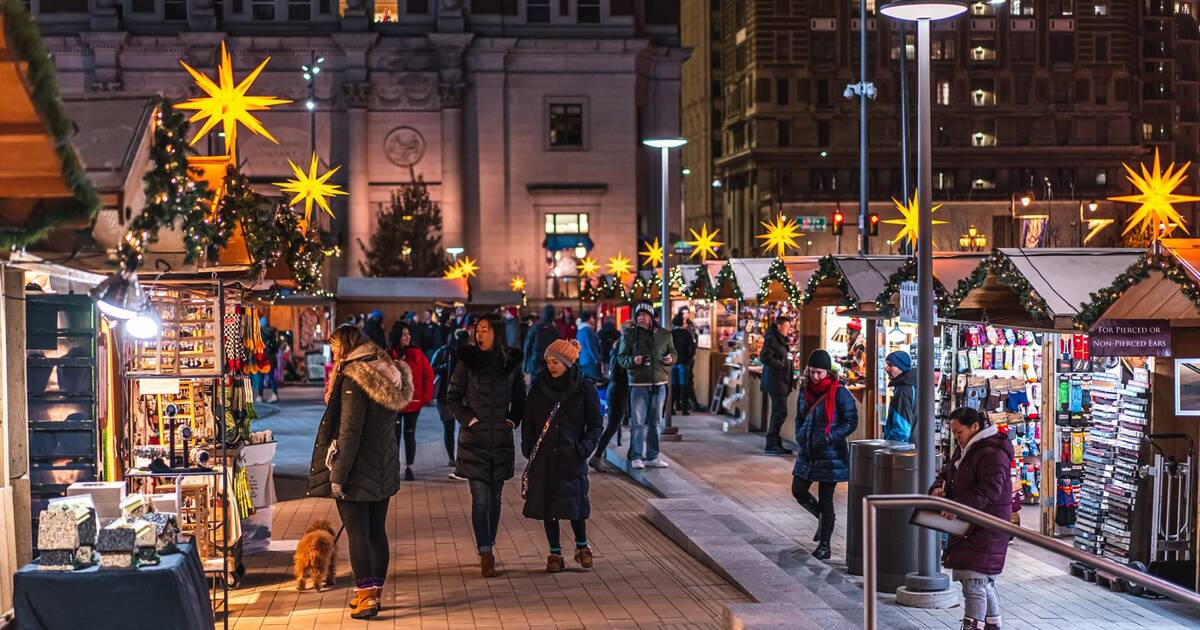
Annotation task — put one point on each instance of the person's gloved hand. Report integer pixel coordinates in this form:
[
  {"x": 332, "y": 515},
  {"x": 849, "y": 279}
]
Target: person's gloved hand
[{"x": 337, "y": 490}]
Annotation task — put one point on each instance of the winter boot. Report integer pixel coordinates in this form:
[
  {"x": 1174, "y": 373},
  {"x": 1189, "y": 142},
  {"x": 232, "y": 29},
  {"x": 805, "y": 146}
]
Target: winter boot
[
  {"x": 555, "y": 563},
  {"x": 487, "y": 564},
  {"x": 367, "y": 600},
  {"x": 991, "y": 623},
  {"x": 378, "y": 590},
  {"x": 970, "y": 623},
  {"x": 583, "y": 555},
  {"x": 597, "y": 464}
]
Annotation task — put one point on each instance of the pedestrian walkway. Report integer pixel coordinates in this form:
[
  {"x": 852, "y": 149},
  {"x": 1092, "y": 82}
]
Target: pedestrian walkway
[
  {"x": 641, "y": 579},
  {"x": 1036, "y": 590}
]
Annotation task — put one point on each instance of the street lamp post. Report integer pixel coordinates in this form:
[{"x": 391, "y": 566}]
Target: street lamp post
[
  {"x": 928, "y": 587},
  {"x": 664, "y": 146},
  {"x": 310, "y": 103}
]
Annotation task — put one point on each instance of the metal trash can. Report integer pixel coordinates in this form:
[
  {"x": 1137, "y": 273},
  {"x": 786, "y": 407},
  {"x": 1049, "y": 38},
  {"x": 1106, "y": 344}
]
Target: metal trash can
[
  {"x": 862, "y": 480},
  {"x": 896, "y": 473}
]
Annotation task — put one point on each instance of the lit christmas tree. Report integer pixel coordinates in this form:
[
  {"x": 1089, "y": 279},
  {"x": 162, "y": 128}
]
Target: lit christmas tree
[{"x": 408, "y": 237}]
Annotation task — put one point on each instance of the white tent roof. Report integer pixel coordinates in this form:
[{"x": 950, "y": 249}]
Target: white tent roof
[
  {"x": 401, "y": 289},
  {"x": 1065, "y": 278}
]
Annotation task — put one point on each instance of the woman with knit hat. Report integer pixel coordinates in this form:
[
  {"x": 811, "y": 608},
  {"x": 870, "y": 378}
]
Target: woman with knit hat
[
  {"x": 561, "y": 428},
  {"x": 825, "y": 417}
]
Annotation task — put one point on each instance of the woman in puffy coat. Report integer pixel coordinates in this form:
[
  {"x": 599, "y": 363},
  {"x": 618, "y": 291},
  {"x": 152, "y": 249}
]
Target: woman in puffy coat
[
  {"x": 825, "y": 417},
  {"x": 402, "y": 349},
  {"x": 561, "y": 428},
  {"x": 978, "y": 475},
  {"x": 487, "y": 396},
  {"x": 356, "y": 459}
]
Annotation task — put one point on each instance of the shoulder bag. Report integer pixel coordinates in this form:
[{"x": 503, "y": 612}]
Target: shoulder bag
[{"x": 537, "y": 445}]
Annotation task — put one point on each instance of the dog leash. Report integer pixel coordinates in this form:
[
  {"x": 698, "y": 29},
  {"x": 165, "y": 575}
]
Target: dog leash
[{"x": 339, "y": 534}]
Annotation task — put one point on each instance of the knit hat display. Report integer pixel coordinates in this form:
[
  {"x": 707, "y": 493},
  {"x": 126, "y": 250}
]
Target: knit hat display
[
  {"x": 901, "y": 360},
  {"x": 565, "y": 351},
  {"x": 820, "y": 360},
  {"x": 644, "y": 307}
]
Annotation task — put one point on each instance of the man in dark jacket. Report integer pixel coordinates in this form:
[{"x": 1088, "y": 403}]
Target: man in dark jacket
[
  {"x": 539, "y": 338},
  {"x": 685, "y": 349},
  {"x": 609, "y": 337},
  {"x": 617, "y": 402},
  {"x": 647, "y": 353},
  {"x": 443, "y": 362},
  {"x": 373, "y": 329},
  {"x": 776, "y": 380},
  {"x": 902, "y": 410}
]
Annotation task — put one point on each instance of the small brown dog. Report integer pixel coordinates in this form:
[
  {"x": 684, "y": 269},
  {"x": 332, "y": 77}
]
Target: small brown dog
[{"x": 315, "y": 556}]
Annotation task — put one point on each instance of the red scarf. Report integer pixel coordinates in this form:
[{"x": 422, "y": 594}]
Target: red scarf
[{"x": 827, "y": 389}]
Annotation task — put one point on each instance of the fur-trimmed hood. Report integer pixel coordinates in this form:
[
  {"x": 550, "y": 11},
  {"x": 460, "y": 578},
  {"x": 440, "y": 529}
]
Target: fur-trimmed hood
[
  {"x": 474, "y": 358},
  {"x": 387, "y": 382}
]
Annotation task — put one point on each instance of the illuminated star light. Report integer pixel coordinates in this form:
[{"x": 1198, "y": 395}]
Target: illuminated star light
[
  {"x": 704, "y": 243},
  {"x": 619, "y": 265},
  {"x": 588, "y": 267},
  {"x": 653, "y": 253},
  {"x": 780, "y": 235},
  {"x": 311, "y": 188},
  {"x": 517, "y": 284},
  {"x": 909, "y": 220},
  {"x": 452, "y": 272},
  {"x": 1156, "y": 194},
  {"x": 467, "y": 267},
  {"x": 227, "y": 103}
]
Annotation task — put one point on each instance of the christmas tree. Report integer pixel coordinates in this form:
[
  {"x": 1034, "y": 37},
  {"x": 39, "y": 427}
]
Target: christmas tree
[{"x": 408, "y": 236}]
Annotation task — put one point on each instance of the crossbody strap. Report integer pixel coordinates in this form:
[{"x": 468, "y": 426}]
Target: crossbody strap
[{"x": 537, "y": 445}]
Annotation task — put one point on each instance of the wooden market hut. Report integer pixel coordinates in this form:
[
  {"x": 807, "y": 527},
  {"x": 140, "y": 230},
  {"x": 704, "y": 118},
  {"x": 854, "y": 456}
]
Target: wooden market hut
[
  {"x": 949, "y": 268},
  {"x": 395, "y": 296}
]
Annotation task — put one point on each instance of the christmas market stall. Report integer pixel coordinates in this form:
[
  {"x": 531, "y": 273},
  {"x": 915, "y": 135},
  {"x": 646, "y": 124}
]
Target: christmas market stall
[
  {"x": 691, "y": 287},
  {"x": 841, "y": 316},
  {"x": 393, "y": 297},
  {"x": 1137, "y": 502},
  {"x": 1017, "y": 355},
  {"x": 609, "y": 295}
]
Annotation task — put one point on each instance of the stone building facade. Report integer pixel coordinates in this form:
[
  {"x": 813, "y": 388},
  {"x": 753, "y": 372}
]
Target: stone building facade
[{"x": 524, "y": 117}]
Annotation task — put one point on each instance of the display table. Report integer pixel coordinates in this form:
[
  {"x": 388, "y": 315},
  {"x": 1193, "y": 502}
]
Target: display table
[{"x": 173, "y": 594}]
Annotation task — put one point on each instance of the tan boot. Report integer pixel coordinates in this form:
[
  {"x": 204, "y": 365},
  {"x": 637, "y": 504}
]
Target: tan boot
[
  {"x": 487, "y": 564},
  {"x": 555, "y": 563},
  {"x": 367, "y": 603},
  {"x": 353, "y": 603},
  {"x": 584, "y": 557}
]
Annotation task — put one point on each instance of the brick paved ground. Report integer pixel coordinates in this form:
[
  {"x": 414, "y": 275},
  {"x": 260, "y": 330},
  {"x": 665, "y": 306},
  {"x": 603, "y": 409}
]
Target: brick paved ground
[
  {"x": 641, "y": 579},
  {"x": 1035, "y": 588}
]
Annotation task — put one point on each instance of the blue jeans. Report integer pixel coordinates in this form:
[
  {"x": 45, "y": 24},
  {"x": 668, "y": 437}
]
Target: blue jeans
[
  {"x": 485, "y": 512},
  {"x": 645, "y": 408}
]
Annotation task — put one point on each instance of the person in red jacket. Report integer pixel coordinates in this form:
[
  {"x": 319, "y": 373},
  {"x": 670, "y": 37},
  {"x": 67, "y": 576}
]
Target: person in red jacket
[{"x": 400, "y": 343}]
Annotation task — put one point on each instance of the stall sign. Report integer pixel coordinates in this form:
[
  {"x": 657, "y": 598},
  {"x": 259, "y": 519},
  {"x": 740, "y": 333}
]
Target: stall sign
[
  {"x": 1130, "y": 338},
  {"x": 910, "y": 303},
  {"x": 168, "y": 386}
]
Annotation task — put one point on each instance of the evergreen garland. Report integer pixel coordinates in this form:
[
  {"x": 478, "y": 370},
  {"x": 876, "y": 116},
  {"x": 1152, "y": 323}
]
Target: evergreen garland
[
  {"x": 1006, "y": 273},
  {"x": 727, "y": 279},
  {"x": 259, "y": 218},
  {"x": 906, "y": 273},
  {"x": 778, "y": 272},
  {"x": 1164, "y": 263},
  {"x": 828, "y": 269},
  {"x": 701, "y": 288},
  {"x": 24, "y": 40},
  {"x": 170, "y": 194},
  {"x": 676, "y": 281},
  {"x": 408, "y": 239}
]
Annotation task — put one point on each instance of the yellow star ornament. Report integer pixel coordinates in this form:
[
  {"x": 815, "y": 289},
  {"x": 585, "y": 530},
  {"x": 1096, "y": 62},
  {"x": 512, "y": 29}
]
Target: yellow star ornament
[
  {"x": 704, "y": 243},
  {"x": 780, "y": 235},
  {"x": 908, "y": 220},
  {"x": 311, "y": 188},
  {"x": 619, "y": 265},
  {"x": 517, "y": 284},
  {"x": 653, "y": 254},
  {"x": 588, "y": 267},
  {"x": 1156, "y": 194},
  {"x": 452, "y": 272},
  {"x": 467, "y": 267},
  {"x": 228, "y": 104}
]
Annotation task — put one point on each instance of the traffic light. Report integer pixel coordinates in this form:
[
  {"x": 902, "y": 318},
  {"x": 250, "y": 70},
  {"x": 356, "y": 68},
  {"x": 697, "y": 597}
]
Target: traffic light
[
  {"x": 839, "y": 220},
  {"x": 873, "y": 224}
]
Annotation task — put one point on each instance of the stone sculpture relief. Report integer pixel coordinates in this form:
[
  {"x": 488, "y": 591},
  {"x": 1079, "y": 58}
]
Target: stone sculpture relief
[{"x": 404, "y": 146}]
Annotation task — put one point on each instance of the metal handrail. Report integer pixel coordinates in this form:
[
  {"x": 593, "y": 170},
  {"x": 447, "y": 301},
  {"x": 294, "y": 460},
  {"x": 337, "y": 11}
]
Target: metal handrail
[{"x": 872, "y": 504}]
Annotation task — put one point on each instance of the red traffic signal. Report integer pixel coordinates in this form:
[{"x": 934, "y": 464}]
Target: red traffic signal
[
  {"x": 839, "y": 220},
  {"x": 873, "y": 224}
]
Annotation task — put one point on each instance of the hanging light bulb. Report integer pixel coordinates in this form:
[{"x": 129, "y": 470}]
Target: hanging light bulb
[
  {"x": 120, "y": 296},
  {"x": 144, "y": 325}
]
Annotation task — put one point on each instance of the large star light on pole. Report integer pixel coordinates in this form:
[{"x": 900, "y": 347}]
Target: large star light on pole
[
  {"x": 311, "y": 188},
  {"x": 780, "y": 235},
  {"x": 704, "y": 243},
  {"x": 619, "y": 265},
  {"x": 1155, "y": 196},
  {"x": 588, "y": 267},
  {"x": 653, "y": 254},
  {"x": 908, "y": 220},
  {"x": 227, "y": 103}
]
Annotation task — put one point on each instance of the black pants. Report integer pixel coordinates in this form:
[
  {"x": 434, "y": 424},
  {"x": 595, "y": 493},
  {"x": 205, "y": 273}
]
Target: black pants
[
  {"x": 691, "y": 386},
  {"x": 486, "y": 499},
  {"x": 778, "y": 417},
  {"x": 406, "y": 434},
  {"x": 449, "y": 435},
  {"x": 618, "y": 408},
  {"x": 823, "y": 502},
  {"x": 579, "y": 526},
  {"x": 365, "y": 523}
]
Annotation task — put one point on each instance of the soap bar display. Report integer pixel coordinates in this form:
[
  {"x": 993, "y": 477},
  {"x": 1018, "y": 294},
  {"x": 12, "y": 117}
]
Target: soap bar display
[
  {"x": 117, "y": 546},
  {"x": 66, "y": 536}
]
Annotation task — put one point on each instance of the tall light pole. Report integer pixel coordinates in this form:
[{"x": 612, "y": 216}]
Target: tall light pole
[
  {"x": 925, "y": 587},
  {"x": 864, "y": 90},
  {"x": 310, "y": 103},
  {"x": 664, "y": 146}
]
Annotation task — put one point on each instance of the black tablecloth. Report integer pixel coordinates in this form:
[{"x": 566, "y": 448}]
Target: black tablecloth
[{"x": 173, "y": 594}]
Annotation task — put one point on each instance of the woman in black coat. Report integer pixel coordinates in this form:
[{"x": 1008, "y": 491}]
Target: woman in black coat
[
  {"x": 561, "y": 429},
  {"x": 356, "y": 458},
  {"x": 487, "y": 396}
]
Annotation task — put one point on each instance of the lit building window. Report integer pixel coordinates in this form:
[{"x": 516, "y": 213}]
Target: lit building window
[
  {"x": 566, "y": 244},
  {"x": 566, "y": 125},
  {"x": 943, "y": 92},
  {"x": 1100, "y": 8}
]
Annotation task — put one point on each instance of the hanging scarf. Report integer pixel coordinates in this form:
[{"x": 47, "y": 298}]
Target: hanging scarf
[
  {"x": 826, "y": 389},
  {"x": 559, "y": 389}
]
